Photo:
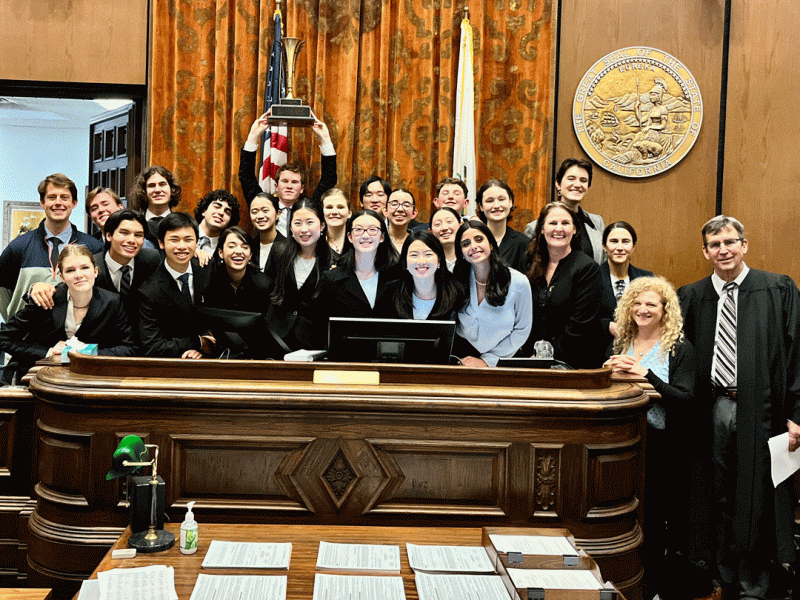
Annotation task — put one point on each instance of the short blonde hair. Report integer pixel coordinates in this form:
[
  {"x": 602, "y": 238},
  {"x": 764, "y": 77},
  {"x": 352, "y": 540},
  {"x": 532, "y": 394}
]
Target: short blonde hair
[{"x": 671, "y": 322}]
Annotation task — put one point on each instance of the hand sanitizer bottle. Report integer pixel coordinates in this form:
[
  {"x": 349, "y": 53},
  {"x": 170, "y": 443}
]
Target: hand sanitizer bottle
[{"x": 189, "y": 531}]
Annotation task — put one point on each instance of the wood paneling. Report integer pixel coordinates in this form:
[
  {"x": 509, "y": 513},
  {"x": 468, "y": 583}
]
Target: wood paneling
[
  {"x": 667, "y": 210},
  {"x": 74, "y": 41},
  {"x": 762, "y": 163}
]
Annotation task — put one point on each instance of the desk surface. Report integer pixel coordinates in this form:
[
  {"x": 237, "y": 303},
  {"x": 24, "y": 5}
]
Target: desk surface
[
  {"x": 25, "y": 593},
  {"x": 305, "y": 542}
]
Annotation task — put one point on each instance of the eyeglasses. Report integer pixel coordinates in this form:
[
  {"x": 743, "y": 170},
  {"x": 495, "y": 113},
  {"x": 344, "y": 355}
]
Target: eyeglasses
[
  {"x": 396, "y": 204},
  {"x": 729, "y": 243},
  {"x": 359, "y": 231}
]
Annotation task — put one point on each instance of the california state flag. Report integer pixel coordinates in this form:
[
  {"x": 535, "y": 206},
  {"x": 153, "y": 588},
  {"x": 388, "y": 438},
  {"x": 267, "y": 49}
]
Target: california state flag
[{"x": 464, "y": 146}]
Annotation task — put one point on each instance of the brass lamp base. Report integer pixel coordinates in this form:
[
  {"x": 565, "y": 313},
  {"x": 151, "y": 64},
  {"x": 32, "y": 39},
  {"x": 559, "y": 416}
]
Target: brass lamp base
[{"x": 153, "y": 540}]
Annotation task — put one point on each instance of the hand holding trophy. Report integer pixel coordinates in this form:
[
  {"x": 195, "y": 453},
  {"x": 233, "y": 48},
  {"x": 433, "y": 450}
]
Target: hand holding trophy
[{"x": 291, "y": 111}]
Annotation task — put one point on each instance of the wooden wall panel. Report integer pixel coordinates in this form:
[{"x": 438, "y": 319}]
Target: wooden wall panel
[
  {"x": 762, "y": 164},
  {"x": 667, "y": 210},
  {"x": 75, "y": 41}
]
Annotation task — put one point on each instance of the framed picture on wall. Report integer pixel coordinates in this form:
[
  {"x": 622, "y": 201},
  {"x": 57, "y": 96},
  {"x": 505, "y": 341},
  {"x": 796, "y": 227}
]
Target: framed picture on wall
[{"x": 19, "y": 218}]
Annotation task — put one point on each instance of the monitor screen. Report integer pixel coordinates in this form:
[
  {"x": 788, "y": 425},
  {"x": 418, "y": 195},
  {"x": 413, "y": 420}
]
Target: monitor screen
[
  {"x": 390, "y": 340},
  {"x": 242, "y": 334}
]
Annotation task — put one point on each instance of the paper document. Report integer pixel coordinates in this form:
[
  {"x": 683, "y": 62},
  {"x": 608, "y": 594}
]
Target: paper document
[
  {"x": 554, "y": 579},
  {"x": 357, "y": 587},
  {"x": 460, "y": 587},
  {"x": 90, "y": 590},
  {"x": 156, "y": 582},
  {"x": 244, "y": 555},
  {"x": 358, "y": 557},
  {"x": 239, "y": 587},
  {"x": 784, "y": 463},
  {"x": 538, "y": 545},
  {"x": 462, "y": 559}
]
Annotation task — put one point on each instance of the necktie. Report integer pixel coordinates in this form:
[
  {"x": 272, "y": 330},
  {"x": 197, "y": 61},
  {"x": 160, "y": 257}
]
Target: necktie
[
  {"x": 205, "y": 243},
  {"x": 125, "y": 280},
  {"x": 619, "y": 288},
  {"x": 55, "y": 243},
  {"x": 184, "y": 279},
  {"x": 725, "y": 370}
]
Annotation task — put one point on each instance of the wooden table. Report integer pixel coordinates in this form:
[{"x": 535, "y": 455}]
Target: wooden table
[
  {"x": 305, "y": 543},
  {"x": 25, "y": 594}
]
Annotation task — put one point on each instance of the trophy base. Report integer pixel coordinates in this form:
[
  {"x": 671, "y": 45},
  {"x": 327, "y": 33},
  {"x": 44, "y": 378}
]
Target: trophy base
[{"x": 292, "y": 113}]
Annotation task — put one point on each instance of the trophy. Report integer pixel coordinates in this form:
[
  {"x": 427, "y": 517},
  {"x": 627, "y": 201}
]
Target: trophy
[{"x": 291, "y": 111}]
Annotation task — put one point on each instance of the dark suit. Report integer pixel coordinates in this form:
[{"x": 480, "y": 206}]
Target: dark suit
[
  {"x": 514, "y": 249},
  {"x": 144, "y": 265},
  {"x": 608, "y": 301},
  {"x": 255, "y": 246},
  {"x": 168, "y": 323},
  {"x": 342, "y": 295},
  {"x": 754, "y": 519},
  {"x": 249, "y": 181},
  {"x": 34, "y": 330}
]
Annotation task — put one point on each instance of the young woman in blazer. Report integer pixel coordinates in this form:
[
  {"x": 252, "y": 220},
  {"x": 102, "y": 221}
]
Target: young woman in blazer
[{"x": 81, "y": 311}]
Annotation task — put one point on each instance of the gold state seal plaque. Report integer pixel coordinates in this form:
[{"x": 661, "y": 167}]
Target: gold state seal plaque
[{"x": 637, "y": 112}]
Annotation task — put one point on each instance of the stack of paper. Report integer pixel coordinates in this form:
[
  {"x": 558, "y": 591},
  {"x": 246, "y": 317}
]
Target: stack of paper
[
  {"x": 555, "y": 579},
  {"x": 244, "y": 555},
  {"x": 352, "y": 587},
  {"x": 535, "y": 545},
  {"x": 358, "y": 557},
  {"x": 156, "y": 582},
  {"x": 239, "y": 587},
  {"x": 459, "y": 559},
  {"x": 460, "y": 587}
]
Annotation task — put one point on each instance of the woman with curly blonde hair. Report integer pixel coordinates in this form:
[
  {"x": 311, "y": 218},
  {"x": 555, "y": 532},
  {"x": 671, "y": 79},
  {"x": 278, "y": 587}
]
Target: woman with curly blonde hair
[{"x": 650, "y": 344}]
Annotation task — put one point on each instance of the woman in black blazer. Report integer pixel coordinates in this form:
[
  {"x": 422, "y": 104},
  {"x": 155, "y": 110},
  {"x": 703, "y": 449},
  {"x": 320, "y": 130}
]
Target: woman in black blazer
[
  {"x": 295, "y": 269},
  {"x": 358, "y": 285},
  {"x": 264, "y": 216},
  {"x": 495, "y": 203},
  {"x": 566, "y": 286},
  {"x": 619, "y": 242},
  {"x": 426, "y": 289},
  {"x": 236, "y": 283},
  {"x": 81, "y": 313}
]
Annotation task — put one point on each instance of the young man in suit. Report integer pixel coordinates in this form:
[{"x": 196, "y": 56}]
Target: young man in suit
[
  {"x": 215, "y": 212},
  {"x": 121, "y": 268},
  {"x": 155, "y": 192},
  {"x": 169, "y": 325},
  {"x": 33, "y": 256},
  {"x": 291, "y": 177},
  {"x": 745, "y": 327}
]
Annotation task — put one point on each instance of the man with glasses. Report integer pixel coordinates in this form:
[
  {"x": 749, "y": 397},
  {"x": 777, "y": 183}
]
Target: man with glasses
[
  {"x": 745, "y": 326},
  {"x": 401, "y": 209}
]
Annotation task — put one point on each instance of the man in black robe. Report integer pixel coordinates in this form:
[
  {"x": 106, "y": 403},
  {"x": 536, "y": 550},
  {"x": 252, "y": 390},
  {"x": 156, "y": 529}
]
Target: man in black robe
[{"x": 749, "y": 372}]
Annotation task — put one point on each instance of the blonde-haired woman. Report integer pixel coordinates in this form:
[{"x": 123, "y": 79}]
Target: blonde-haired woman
[{"x": 650, "y": 344}]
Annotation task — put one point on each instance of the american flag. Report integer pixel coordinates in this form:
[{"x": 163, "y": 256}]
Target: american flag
[{"x": 274, "y": 142}]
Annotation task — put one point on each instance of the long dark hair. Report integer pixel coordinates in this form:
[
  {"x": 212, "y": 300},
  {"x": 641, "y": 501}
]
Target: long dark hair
[
  {"x": 538, "y": 255},
  {"x": 499, "y": 272},
  {"x": 386, "y": 255},
  {"x": 449, "y": 291},
  {"x": 288, "y": 252}
]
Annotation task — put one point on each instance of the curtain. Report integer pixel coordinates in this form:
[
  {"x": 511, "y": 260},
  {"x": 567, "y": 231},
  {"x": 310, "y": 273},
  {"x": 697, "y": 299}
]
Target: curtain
[{"x": 381, "y": 74}]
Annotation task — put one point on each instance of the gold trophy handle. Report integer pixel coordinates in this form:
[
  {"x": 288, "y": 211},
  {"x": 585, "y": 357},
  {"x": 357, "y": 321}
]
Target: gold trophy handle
[{"x": 291, "y": 48}]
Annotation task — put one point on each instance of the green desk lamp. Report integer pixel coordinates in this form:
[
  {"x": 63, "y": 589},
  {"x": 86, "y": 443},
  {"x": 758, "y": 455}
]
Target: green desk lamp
[{"x": 131, "y": 454}]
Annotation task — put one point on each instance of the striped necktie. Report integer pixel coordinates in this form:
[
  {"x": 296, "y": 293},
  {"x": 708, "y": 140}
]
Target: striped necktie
[
  {"x": 619, "y": 288},
  {"x": 725, "y": 345},
  {"x": 125, "y": 280}
]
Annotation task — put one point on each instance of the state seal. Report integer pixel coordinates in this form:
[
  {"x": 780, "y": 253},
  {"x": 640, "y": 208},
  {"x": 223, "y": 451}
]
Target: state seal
[{"x": 637, "y": 112}]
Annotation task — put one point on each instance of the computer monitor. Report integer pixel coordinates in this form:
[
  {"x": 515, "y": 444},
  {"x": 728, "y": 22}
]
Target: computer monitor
[
  {"x": 390, "y": 340},
  {"x": 242, "y": 334}
]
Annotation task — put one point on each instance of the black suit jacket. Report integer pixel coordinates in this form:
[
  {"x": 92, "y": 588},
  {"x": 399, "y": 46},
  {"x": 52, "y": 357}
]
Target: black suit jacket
[
  {"x": 342, "y": 295},
  {"x": 144, "y": 265},
  {"x": 255, "y": 247},
  {"x": 249, "y": 181},
  {"x": 34, "y": 330},
  {"x": 514, "y": 249},
  {"x": 608, "y": 301},
  {"x": 168, "y": 324}
]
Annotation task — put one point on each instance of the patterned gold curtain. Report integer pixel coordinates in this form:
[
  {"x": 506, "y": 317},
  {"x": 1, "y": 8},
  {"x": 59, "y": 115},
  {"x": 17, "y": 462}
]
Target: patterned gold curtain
[{"x": 381, "y": 74}]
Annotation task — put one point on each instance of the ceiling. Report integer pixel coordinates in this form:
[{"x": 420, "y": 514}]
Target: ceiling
[{"x": 64, "y": 113}]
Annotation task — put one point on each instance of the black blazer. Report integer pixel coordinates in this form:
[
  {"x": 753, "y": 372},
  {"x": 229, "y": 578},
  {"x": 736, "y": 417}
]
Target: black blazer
[
  {"x": 566, "y": 312},
  {"x": 249, "y": 181},
  {"x": 144, "y": 265},
  {"x": 34, "y": 330},
  {"x": 252, "y": 295},
  {"x": 255, "y": 247},
  {"x": 608, "y": 301},
  {"x": 298, "y": 320},
  {"x": 341, "y": 294},
  {"x": 514, "y": 249},
  {"x": 168, "y": 323}
]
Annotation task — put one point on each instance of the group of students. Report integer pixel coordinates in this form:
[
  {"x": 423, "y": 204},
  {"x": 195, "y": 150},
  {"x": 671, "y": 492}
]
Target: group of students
[{"x": 566, "y": 286}]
